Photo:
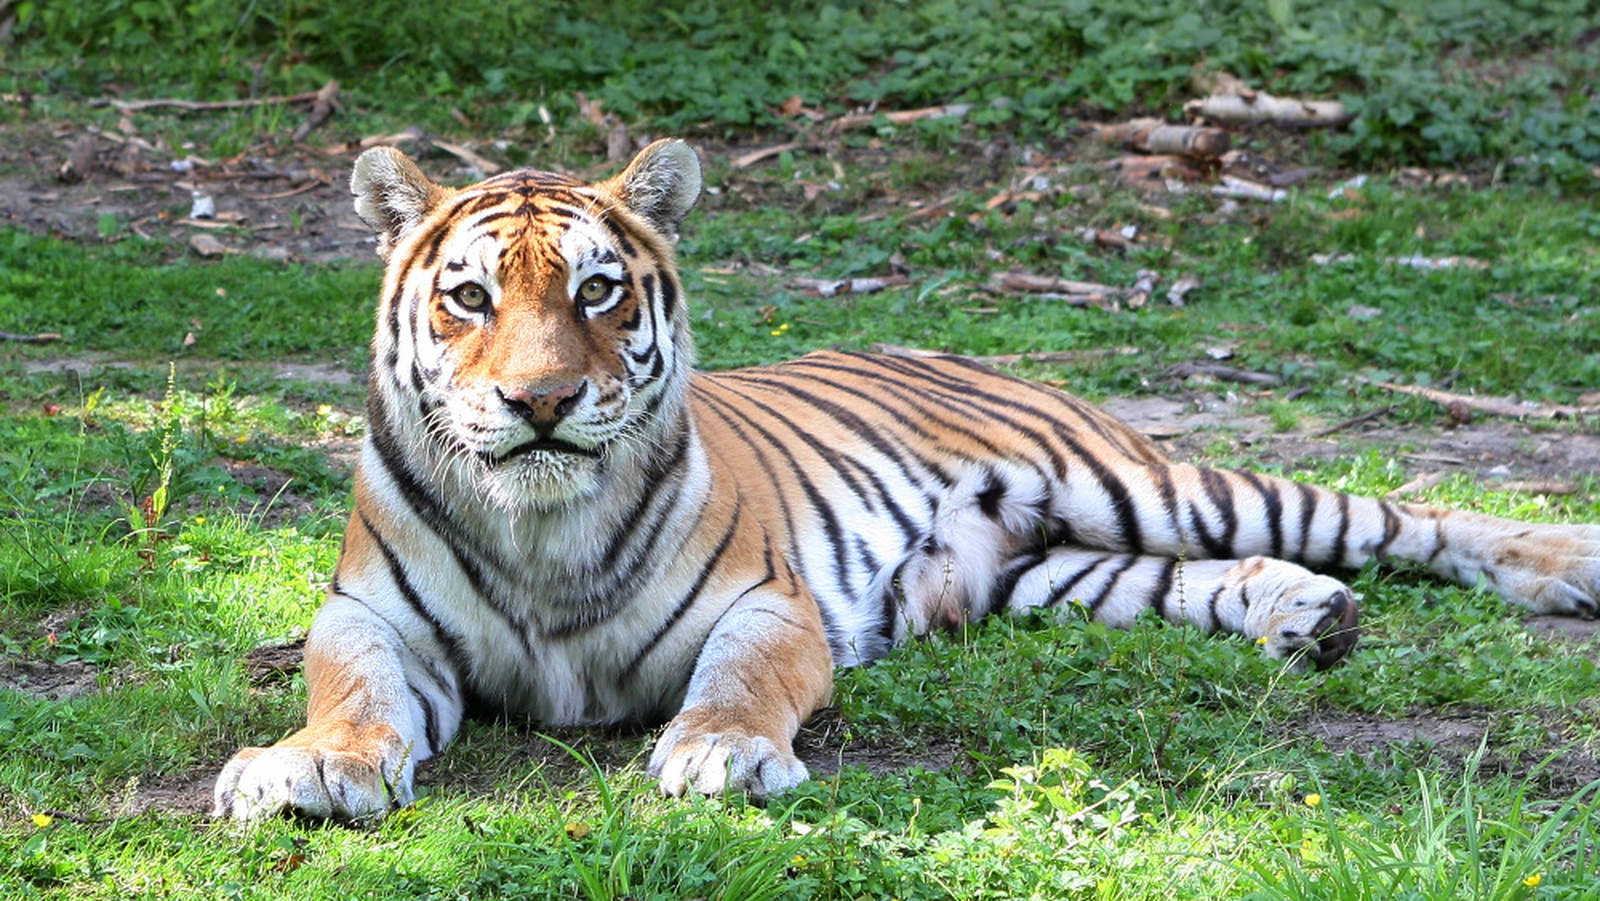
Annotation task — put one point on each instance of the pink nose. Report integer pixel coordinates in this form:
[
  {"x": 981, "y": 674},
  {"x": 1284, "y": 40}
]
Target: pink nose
[{"x": 544, "y": 407}]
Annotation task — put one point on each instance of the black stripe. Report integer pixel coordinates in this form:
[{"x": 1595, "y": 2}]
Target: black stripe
[
  {"x": 1274, "y": 504},
  {"x": 1308, "y": 510},
  {"x": 1163, "y": 586},
  {"x": 1343, "y": 532},
  {"x": 1111, "y": 584},
  {"x": 1060, "y": 593},
  {"x": 686, "y": 602}
]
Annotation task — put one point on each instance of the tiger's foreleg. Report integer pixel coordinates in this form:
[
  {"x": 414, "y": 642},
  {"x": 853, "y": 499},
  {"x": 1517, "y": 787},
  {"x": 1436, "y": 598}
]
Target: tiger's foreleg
[
  {"x": 763, "y": 670},
  {"x": 382, "y": 698}
]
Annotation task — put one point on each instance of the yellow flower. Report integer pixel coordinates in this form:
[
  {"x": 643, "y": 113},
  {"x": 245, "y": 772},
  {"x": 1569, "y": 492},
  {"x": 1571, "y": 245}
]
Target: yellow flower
[
  {"x": 1533, "y": 880},
  {"x": 576, "y": 830},
  {"x": 1313, "y": 799},
  {"x": 324, "y": 410},
  {"x": 43, "y": 820},
  {"x": 1261, "y": 640}
]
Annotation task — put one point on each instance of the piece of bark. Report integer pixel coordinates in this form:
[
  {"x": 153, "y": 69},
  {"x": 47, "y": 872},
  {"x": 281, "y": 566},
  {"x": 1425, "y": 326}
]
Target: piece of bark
[
  {"x": 1177, "y": 294},
  {"x": 1508, "y": 407},
  {"x": 321, "y": 109},
  {"x": 1157, "y": 137},
  {"x": 1250, "y": 107},
  {"x": 79, "y": 164},
  {"x": 207, "y": 246}
]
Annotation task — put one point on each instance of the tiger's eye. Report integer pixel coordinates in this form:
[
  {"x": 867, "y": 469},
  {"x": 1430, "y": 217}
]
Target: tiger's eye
[
  {"x": 594, "y": 289},
  {"x": 471, "y": 296}
]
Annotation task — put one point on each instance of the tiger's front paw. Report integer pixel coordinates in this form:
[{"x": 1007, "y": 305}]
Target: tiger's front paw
[
  {"x": 351, "y": 775},
  {"x": 1549, "y": 569},
  {"x": 710, "y": 761},
  {"x": 1314, "y": 619}
]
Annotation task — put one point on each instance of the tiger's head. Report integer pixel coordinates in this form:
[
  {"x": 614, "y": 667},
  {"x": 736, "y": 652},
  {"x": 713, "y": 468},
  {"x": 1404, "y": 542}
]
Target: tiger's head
[{"x": 532, "y": 335}]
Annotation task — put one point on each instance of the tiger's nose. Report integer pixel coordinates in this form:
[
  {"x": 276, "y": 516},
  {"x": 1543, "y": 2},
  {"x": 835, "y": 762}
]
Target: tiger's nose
[{"x": 542, "y": 407}]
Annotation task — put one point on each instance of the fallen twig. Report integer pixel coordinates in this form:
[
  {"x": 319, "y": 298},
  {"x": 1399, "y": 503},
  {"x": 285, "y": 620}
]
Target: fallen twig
[
  {"x": 833, "y": 287},
  {"x": 766, "y": 153},
  {"x": 487, "y": 167},
  {"x": 1352, "y": 422},
  {"x": 1216, "y": 370},
  {"x": 1068, "y": 357},
  {"x": 132, "y": 106},
  {"x": 1417, "y": 485},
  {"x": 1541, "y": 486},
  {"x": 41, "y": 338},
  {"x": 1415, "y": 261},
  {"x": 1461, "y": 406}
]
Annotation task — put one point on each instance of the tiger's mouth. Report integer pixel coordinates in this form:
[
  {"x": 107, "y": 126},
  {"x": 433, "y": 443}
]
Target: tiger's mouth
[{"x": 541, "y": 445}]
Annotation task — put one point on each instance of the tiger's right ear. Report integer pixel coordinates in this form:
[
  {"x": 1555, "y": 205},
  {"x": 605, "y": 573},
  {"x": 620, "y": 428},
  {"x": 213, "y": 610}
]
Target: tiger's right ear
[{"x": 392, "y": 195}]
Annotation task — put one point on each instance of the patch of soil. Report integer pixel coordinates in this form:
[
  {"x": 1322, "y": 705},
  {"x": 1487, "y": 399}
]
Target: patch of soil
[
  {"x": 1187, "y": 426},
  {"x": 188, "y": 793},
  {"x": 1565, "y": 628},
  {"x": 1559, "y": 770},
  {"x": 272, "y": 664},
  {"x": 1364, "y": 735},
  {"x": 43, "y": 679},
  {"x": 822, "y": 746}
]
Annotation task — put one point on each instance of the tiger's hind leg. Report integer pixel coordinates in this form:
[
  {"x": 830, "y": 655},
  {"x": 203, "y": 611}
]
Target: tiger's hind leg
[{"x": 1295, "y": 614}]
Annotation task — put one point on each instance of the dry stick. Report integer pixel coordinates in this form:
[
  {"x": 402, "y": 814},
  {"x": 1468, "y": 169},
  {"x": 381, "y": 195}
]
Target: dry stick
[
  {"x": 1353, "y": 422},
  {"x": 1042, "y": 356},
  {"x": 1226, "y": 373},
  {"x": 132, "y": 106},
  {"x": 1417, "y": 485},
  {"x": 902, "y": 117},
  {"x": 321, "y": 109},
  {"x": 766, "y": 153},
  {"x": 41, "y": 338}
]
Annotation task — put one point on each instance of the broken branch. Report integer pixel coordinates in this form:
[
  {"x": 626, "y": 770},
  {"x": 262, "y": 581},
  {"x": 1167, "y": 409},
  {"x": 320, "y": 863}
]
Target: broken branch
[
  {"x": 1156, "y": 136},
  {"x": 1249, "y": 107},
  {"x": 321, "y": 108},
  {"x": 1493, "y": 406},
  {"x": 132, "y": 106},
  {"x": 833, "y": 287},
  {"x": 903, "y": 117}
]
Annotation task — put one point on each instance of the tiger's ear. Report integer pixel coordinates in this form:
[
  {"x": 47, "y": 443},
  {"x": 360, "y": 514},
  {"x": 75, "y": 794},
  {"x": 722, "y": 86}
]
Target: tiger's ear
[
  {"x": 661, "y": 184},
  {"x": 392, "y": 195}
]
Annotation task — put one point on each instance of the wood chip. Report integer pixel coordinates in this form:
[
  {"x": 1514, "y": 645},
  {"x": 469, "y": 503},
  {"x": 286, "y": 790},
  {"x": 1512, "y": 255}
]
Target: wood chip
[
  {"x": 1156, "y": 136},
  {"x": 747, "y": 160},
  {"x": 207, "y": 246}
]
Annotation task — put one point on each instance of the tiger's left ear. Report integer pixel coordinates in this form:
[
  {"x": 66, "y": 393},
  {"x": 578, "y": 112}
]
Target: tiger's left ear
[
  {"x": 661, "y": 184},
  {"x": 392, "y": 195}
]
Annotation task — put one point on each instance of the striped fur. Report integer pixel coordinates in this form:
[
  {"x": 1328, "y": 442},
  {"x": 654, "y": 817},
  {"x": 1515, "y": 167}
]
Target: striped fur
[{"x": 556, "y": 518}]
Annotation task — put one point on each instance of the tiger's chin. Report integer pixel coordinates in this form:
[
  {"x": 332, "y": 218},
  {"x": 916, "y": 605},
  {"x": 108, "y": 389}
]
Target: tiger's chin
[{"x": 541, "y": 480}]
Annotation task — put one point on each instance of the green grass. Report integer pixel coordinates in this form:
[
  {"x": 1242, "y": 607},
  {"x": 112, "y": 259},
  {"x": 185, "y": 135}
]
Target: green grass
[{"x": 167, "y": 505}]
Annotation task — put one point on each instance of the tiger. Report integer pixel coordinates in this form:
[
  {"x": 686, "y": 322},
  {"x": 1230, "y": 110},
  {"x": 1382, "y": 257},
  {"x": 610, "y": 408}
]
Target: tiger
[{"x": 557, "y": 518}]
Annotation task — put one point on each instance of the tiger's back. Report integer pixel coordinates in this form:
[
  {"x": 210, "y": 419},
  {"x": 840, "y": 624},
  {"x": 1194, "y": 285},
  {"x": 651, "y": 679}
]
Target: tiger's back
[{"x": 556, "y": 518}]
